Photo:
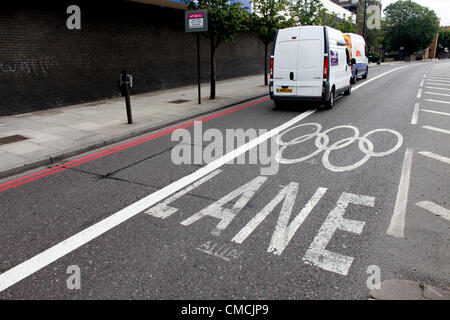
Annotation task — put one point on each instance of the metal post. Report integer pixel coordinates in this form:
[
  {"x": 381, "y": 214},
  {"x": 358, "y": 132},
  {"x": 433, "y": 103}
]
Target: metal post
[
  {"x": 126, "y": 93},
  {"x": 198, "y": 68},
  {"x": 364, "y": 22}
]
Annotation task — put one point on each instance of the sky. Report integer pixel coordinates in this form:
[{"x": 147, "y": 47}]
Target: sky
[{"x": 441, "y": 7}]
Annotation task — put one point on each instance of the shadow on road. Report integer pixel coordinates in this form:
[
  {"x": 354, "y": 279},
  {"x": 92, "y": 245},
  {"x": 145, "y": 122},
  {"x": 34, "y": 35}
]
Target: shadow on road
[{"x": 298, "y": 106}]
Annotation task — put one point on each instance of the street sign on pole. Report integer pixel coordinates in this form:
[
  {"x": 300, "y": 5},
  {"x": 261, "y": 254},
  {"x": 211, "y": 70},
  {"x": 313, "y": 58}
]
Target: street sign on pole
[{"x": 197, "y": 21}]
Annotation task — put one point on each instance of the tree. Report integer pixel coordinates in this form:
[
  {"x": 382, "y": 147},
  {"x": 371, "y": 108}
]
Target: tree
[
  {"x": 225, "y": 21},
  {"x": 265, "y": 20},
  {"x": 409, "y": 25},
  {"x": 443, "y": 42},
  {"x": 374, "y": 37},
  {"x": 306, "y": 12},
  {"x": 312, "y": 12},
  {"x": 346, "y": 25}
]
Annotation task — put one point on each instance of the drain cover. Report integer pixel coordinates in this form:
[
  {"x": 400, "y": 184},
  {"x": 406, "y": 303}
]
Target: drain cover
[
  {"x": 12, "y": 139},
  {"x": 178, "y": 101}
]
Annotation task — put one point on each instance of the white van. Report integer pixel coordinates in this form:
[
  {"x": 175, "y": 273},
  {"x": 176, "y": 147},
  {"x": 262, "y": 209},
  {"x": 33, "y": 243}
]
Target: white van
[
  {"x": 357, "y": 48},
  {"x": 310, "y": 63}
]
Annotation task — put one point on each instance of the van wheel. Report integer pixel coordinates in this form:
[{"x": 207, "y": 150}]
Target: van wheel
[
  {"x": 349, "y": 90},
  {"x": 330, "y": 103},
  {"x": 366, "y": 74}
]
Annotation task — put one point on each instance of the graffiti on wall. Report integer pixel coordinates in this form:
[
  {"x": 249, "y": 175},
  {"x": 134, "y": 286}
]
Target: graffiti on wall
[{"x": 36, "y": 66}]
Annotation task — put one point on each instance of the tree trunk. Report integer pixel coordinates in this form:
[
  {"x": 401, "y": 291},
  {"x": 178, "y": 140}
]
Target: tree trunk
[
  {"x": 212, "y": 94},
  {"x": 265, "y": 64}
]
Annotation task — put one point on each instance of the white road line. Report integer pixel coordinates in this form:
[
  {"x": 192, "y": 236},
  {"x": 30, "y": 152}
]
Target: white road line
[
  {"x": 419, "y": 93},
  {"x": 434, "y": 208},
  {"x": 438, "y": 94},
  {"x": 437, "y": 78},
  {"x": 437, "y": 88},
  {"x": 397, "y": 225},
  {"x": 415, "y": 115},
  {"x": 436, "y": 129},
  {"x": 421, "y": 83},
  {"x": 436, "y": 112},
  {"x": 439, "y": 101},
  {"x": 162, "y": 210},
  {"x": 436, "y": 83},
  {"x": 435, "y": 156},
  {"x": 41, "y": 260}
]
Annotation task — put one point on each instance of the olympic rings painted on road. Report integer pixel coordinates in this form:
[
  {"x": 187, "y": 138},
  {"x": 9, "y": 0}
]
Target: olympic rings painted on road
[{"x": 322, "y": 141}]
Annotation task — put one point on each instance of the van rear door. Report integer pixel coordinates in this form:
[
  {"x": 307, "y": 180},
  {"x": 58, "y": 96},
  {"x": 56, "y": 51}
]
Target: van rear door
[
  {"x": 285, "y": 62},
  {"x": 309, "y": 73}
]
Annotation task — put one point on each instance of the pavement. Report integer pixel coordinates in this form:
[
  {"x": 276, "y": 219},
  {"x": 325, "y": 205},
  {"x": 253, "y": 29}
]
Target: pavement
[
  {"x": 361, "y": 196},
  {"x": 407, "y": 290},
  {"x": 55, "y": 134}
]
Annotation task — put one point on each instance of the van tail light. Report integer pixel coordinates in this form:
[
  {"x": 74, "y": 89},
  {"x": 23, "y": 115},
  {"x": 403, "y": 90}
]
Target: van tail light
[
  {"x": 325, "y": 67},
  {"x": 271, "y": 68}
]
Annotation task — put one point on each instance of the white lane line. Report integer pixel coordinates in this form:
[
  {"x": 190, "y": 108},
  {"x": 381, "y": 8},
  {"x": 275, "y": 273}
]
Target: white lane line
[
  {"x": 415, "y": 115},
  {"x": 436, "y": 112},
  {"x": 375, "y": 78},
  {"x": 162, "y": 210},
  {"x": 434, "y": 208},
  {"x": 419, "y": 93},
  {"x": 439, "y": 101},
  {"x": 437, "y": 88},
  {"x": 436, "y": 80},
  {"x": 435, "y": 156},
  {"x": 41, "y": 260},
  {"x": 437, "y": 83},
  {"x": 436, "y": 129},
  {"x": 421, "y": 83},
  {"x": 438, "y": 94},
  {"x": 397, "y": 225}
]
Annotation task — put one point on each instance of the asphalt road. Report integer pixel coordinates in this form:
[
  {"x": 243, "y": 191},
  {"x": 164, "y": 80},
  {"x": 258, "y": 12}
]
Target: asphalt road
[{"x": 310, "y": 230}]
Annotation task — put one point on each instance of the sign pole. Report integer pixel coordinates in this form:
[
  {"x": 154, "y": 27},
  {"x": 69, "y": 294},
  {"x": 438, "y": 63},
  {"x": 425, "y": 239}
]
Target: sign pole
[
  {"x": 198, "y": 69},
  {"x": 197, "y": 21}
]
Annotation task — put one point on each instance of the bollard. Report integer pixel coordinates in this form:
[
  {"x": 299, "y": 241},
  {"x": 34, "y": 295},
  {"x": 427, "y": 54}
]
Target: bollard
[{"x": 126, "y": 82}]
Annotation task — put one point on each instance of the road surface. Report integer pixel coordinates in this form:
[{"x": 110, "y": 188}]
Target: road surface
[{"x": 353, "y": 194}]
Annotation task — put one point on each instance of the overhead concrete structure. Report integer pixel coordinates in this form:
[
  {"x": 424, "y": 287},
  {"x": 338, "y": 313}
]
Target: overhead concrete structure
[{"x": 340, "y": 11}]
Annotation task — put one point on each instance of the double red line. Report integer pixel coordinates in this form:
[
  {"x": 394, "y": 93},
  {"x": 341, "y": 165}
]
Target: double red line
[{"x": 79, "y": 161}]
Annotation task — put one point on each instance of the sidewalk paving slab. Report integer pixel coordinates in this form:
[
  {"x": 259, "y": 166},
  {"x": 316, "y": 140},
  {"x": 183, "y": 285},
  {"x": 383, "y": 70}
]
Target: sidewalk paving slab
[
  {"x": 55, "y": 134},
  {"x": 407, "y": 290}
]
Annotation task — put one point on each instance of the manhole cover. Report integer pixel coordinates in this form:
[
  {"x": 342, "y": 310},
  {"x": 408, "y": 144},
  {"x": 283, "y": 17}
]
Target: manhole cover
[
  {"x": 178, "y": 101},
  {"x": 12, "y": 139}
]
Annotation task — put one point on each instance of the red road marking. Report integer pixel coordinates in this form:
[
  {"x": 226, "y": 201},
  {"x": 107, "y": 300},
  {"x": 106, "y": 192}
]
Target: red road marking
[{"x": 65, "y": 166}]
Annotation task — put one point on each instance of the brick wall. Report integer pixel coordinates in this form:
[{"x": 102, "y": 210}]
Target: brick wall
[{"x": 45, "y": 65}]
